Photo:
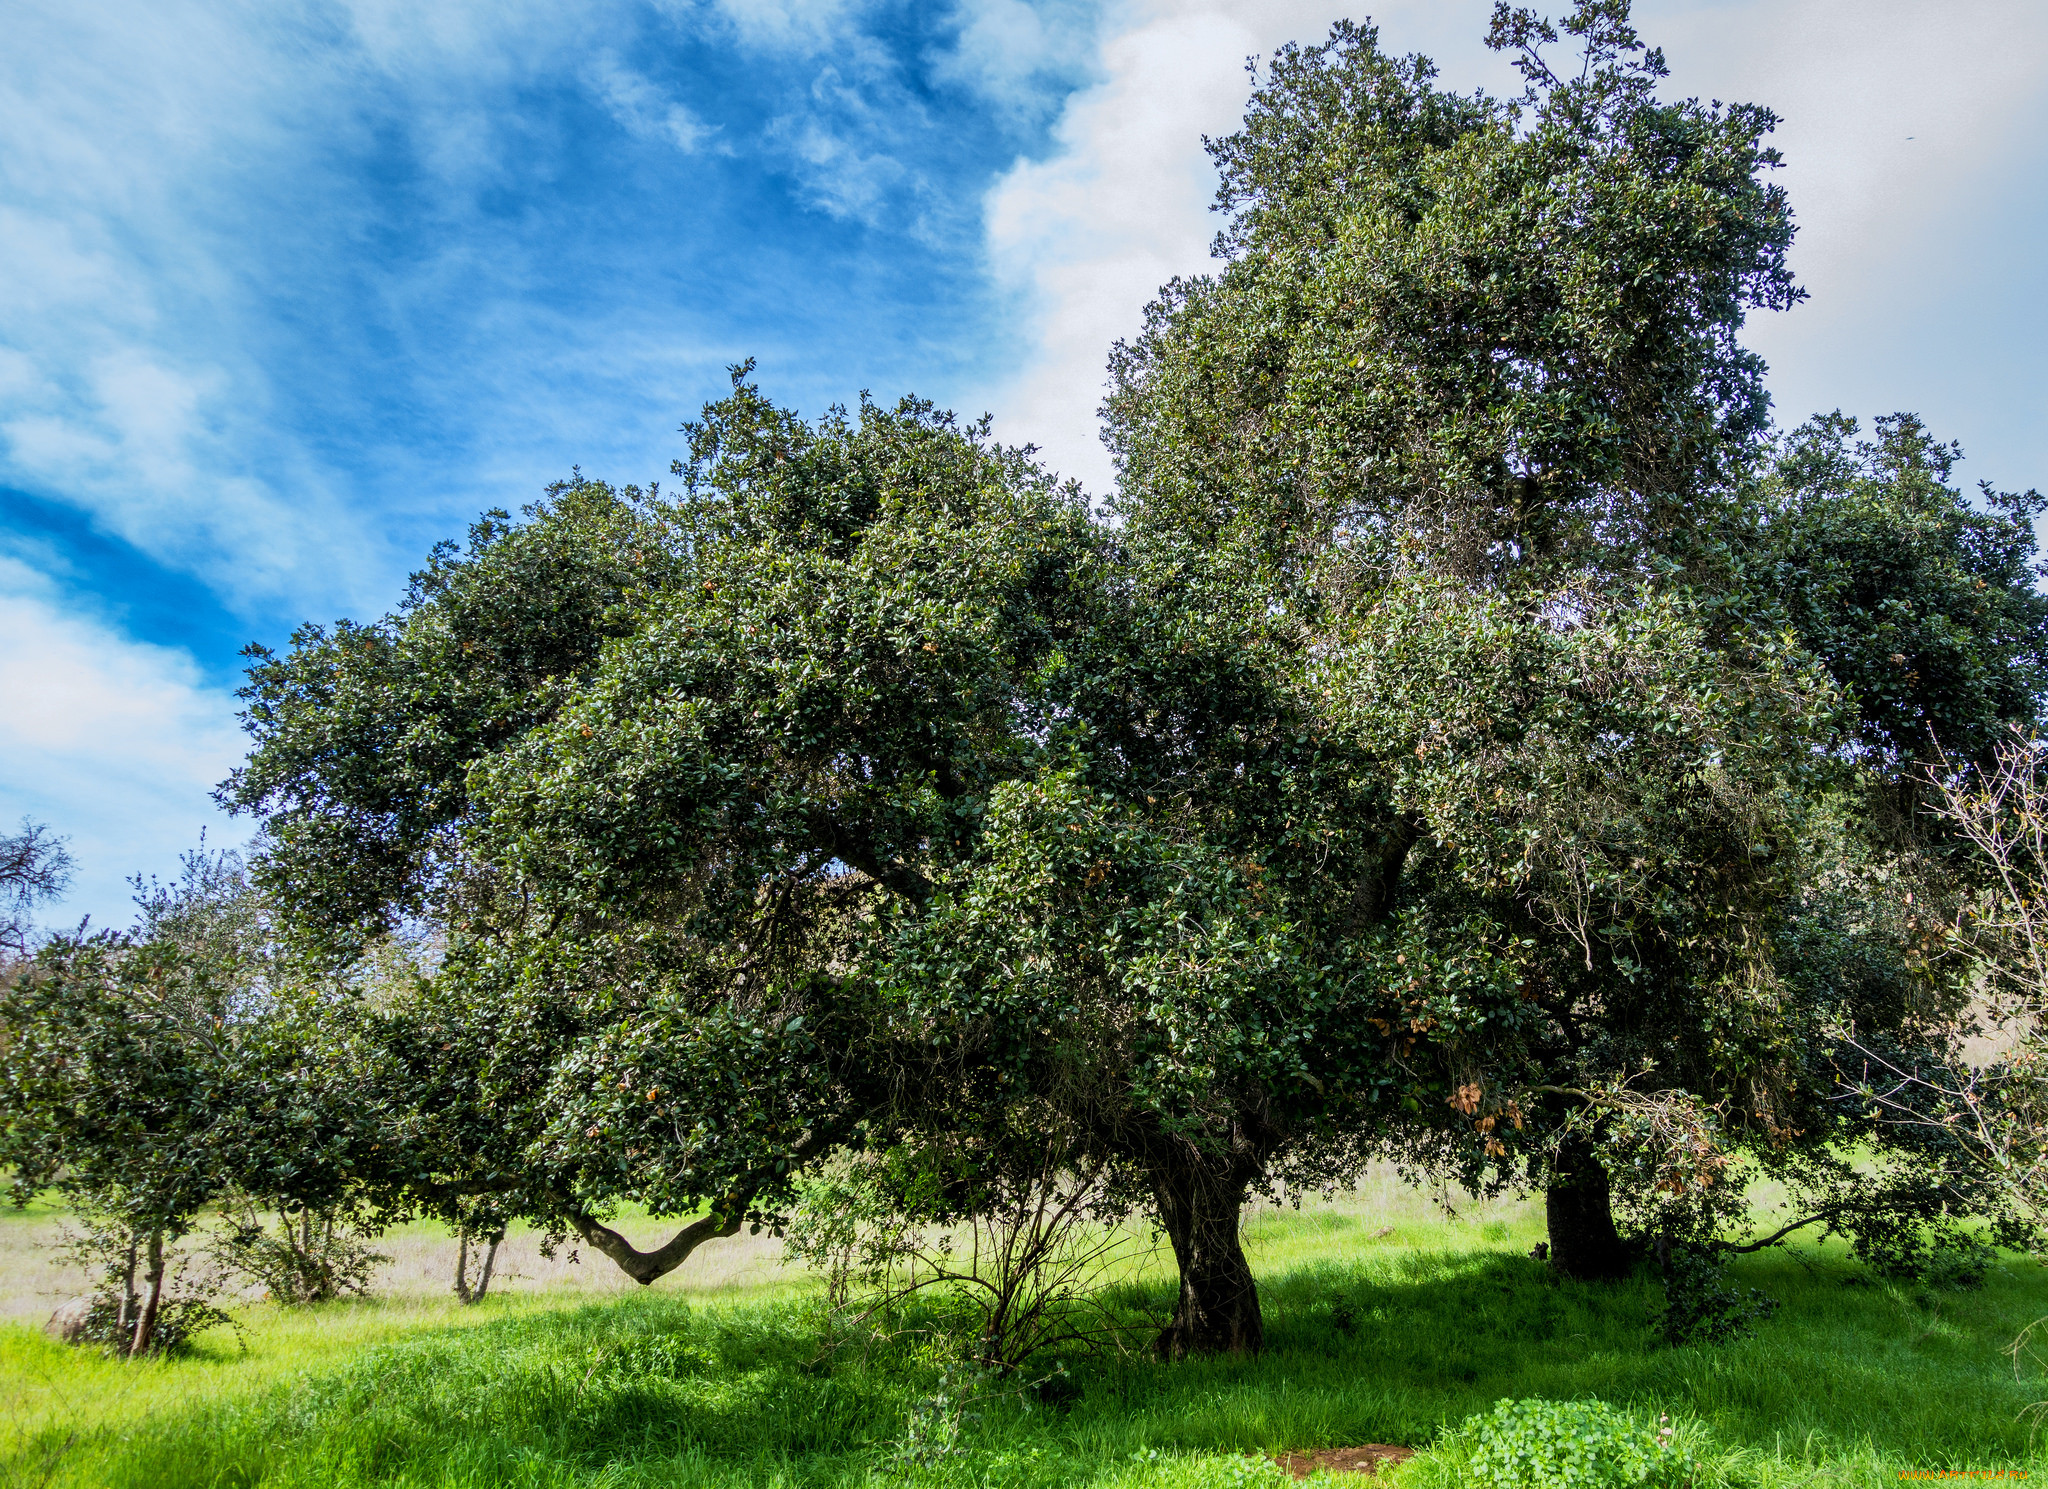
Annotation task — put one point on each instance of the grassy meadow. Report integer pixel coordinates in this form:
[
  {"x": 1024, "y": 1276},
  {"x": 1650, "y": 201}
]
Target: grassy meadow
[{"x": 1387, "y": 1322}]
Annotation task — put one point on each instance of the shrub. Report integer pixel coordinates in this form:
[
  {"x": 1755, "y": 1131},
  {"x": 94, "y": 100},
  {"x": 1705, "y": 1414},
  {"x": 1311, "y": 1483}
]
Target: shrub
[
  {"x": 104, "y": 1246},
  {"x": 1572, "y": 1445},
  {"x": 996, "y": 1265},
  {"x": 1699, "y": 1305},
  {"x": 177, "y": 1320},
  {"x": 309, "y": 1257}
]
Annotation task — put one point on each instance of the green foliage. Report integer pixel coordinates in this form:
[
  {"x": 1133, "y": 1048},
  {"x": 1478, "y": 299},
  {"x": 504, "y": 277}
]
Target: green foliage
[
  {"x": 1477, "y": 335},
  {"x": 1572, "y": 1445},
  {"x": 895, "y": 758},
  {"x": 111, "y": 1252},
  {"x": 145, "y": 1076},
  {"x": 303, "y": 1257},
  {"x": 115, "y": 1058},
  {"x": 997, "y": 1266},
  {"x": 1699, "y": 1305},
  {"x": 1924, "y": 608},
  {"x": 178, "y": 1318}
]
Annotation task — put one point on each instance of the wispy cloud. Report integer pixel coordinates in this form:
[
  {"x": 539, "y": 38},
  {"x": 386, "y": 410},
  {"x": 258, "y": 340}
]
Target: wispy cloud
[
  {"x": 644, "y": 109},
  {"x": 1020, "y": 58},
  {"x": 295, "y": 287}
]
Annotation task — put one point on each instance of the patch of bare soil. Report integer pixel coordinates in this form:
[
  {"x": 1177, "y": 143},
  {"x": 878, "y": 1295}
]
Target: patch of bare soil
[{"x": 1366, "y": 1459}]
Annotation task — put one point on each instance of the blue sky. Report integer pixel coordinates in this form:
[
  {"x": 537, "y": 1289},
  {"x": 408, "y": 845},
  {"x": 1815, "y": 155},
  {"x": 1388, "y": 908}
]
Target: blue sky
[{"x": 293, "y": 289}]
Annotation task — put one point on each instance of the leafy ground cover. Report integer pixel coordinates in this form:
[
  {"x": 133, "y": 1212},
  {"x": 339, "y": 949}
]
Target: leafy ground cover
[{"x": 1385, "y": 1325}]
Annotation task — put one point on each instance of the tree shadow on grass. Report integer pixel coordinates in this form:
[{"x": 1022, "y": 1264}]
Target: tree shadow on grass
[
  {"x": 1395, "y": 1345},
  {"x": 1386, "y": 1348}
]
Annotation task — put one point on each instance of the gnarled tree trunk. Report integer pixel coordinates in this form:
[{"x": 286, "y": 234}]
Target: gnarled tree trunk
[
  {"x": 1584, "y": 1244},
  {"x": 1200, "y": 1199}
]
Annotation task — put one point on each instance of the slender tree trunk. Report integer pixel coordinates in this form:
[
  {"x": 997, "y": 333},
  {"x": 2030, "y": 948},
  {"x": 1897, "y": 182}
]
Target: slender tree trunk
[
  {"x": 463, "y": 1290},
  {"x": 145, "y": 1325},
  {"x": 1200, "y": 1200},
  {"x": 1583, "y": 1241},
  {"x": 126, "y": 1322},
  {"x": 483, "y": 1281}
]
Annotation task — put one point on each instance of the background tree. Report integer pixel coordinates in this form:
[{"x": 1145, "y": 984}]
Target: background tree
[
  {"x": 1925, "y": 609},
  {"x": 146, "y": 1075},
  {"x": 1463, "y": 384},
  {"x": 112, "y": 1070},
  {"x": 35, "y": 869}
]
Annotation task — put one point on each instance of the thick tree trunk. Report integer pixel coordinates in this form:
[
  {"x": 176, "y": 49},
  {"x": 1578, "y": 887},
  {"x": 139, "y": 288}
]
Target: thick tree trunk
[
  {"x": 1584, "y": 1244},
  {"x": 1200, "y": 1200},
  {"x": 145, "y": 1324}
]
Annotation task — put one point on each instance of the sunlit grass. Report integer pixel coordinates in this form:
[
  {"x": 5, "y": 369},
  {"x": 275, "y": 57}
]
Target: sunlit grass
[{"x": 1386, "y": 1323}]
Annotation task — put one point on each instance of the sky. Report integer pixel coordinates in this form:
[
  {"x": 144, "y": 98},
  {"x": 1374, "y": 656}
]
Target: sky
[{"x": 291, "y": 289}]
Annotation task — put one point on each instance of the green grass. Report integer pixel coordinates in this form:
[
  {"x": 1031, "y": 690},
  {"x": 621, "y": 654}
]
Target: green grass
[{"x": 1372, "y": 1338}]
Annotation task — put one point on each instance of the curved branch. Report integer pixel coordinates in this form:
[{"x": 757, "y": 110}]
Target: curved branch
[
  {"x": 646, "y": 1266},
  {"x": 1777, "y": 1235}
]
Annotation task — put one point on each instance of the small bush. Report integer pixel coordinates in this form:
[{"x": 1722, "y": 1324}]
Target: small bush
[
  {"x": 177, "y": 1320},
  {"x": 1959, "y": 1266},
  {"x": 1699, "y": 1305},
  {"x": 1572, "y": 1445},
  {"x": 305, "y": 1258}
]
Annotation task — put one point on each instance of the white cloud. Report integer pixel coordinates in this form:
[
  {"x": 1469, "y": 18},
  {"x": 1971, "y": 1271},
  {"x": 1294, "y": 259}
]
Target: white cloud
[
  {"x": 133, "y": 344},
  {"x": 113, "y": 743},
  {"x": 834, "y": 172},
  {"x": 1013, "y": 54},
  {"x": 643, "y": 109},
  {"x": 1916, "y": 145},
  {"x": 1084, "y": 237}
]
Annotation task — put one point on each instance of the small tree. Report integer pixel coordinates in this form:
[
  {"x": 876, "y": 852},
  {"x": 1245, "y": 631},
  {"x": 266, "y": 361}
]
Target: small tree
[
  {"x": 35, "y": 869},
  {"x": 115, "y": 1053},
  {"x": 1007, "y": 1260},
  {"x": 147, "y": 1075}
]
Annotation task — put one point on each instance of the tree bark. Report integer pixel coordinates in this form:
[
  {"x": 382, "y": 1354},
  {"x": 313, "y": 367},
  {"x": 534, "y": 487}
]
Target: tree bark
[
  {"x": 645, "y": 1267},
  {"x": 483, "y": 1280},
  {"x": 126, "y": 1321},
  {"x": 1200, "y": 1200},
  {"x": 145, "y": 1324},
  {"x": 1584, "y": 1244},
  {"x": 463, "y": 1290}
]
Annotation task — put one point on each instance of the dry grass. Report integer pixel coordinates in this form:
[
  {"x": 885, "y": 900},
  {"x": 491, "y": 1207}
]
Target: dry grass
[{"x": 420, "y": 1265}]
